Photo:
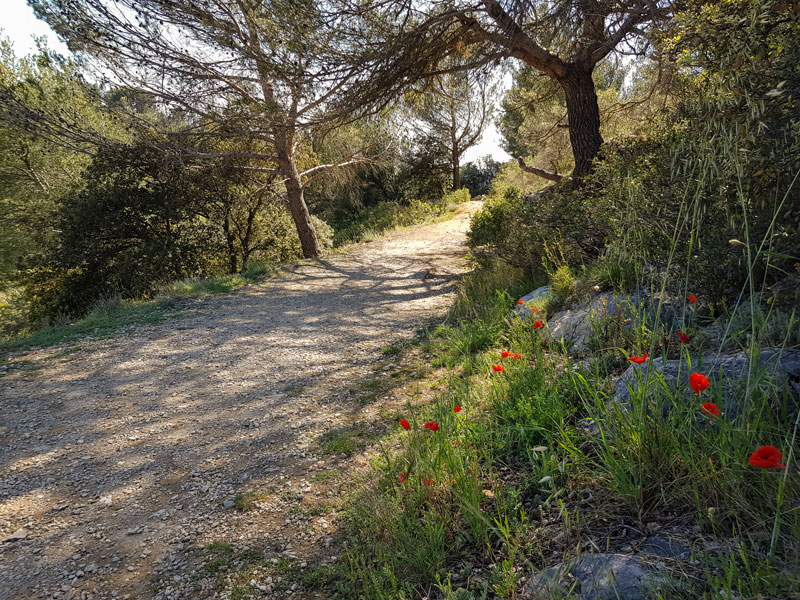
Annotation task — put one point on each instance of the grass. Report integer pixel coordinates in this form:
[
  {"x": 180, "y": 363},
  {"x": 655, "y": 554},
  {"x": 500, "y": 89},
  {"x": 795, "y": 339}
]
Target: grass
[
  {"x": 389, "y": 216},
  {"x": 513, "y": 482},
  {"x": 108, "y": 316},
  {"x": 112, "y": 314},
  {"x": 247, "y": 500}
]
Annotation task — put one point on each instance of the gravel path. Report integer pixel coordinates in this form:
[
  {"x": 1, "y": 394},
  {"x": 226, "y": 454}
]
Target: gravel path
[{"x": 120, "y": 460}]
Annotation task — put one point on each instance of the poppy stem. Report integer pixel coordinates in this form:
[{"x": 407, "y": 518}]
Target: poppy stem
[{"x": 776, "y": 527}]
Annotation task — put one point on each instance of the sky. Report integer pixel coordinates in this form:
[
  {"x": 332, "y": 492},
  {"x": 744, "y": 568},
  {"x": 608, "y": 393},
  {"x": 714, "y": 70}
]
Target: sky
[{"x": 20, "y": 25}]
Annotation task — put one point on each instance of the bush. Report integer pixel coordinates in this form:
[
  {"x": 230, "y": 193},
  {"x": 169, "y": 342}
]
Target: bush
[
  {"x": 385, "y": 216},
  {"x": 519, "y": 229},
  {"x": 131, "y": 229}
]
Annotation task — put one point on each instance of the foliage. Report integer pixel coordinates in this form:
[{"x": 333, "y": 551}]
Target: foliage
[
  {"x": 477, "y": 176},
  {"x": 512, "y": 478},
  {"x": 450, "y": 114},
  {"x": 519, "y": 228},
  {"x": 129, "y": 230},
  {"x": 384, "y": 216}
]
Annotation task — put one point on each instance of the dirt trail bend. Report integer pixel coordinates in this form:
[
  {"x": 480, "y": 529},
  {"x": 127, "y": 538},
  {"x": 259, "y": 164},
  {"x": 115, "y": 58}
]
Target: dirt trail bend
[{"x": 120, "y": 459}]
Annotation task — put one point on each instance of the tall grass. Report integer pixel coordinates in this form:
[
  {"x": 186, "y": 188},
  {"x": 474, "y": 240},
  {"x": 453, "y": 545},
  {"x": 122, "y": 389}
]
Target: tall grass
[{"x": 516, "y": 479}]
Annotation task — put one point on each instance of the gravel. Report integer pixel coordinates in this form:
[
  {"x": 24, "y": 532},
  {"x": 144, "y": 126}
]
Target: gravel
[{"x": 119, "y": 458}]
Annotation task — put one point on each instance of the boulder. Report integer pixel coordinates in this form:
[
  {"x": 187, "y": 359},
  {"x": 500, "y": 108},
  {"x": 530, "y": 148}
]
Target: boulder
[
  {"x": 574, "y": 326},
  {"x": 538, "y": 294},
  {"x": 601, "y": 577},
  {"x": 726, "y": 372}
]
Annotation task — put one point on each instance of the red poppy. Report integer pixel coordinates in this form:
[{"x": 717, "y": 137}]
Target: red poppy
[
  {"x": 405, "y": 424},
  {"x": 698, "y": 382},
  {"x": 456, "y": 409},
  {"x": 505, "y": 354},
  {"x": 427, "y": 481},
  {"x": 516, "y": 356},
  {"x": 538, "y": 325},
  {"x": 685, "y": 339},
  {"x": 767, "y": 457},
  {"x": 534, "y": 309},
  {"x": 520, "y": 302},
  {"x": 692, "y": 298},
  {"x": 710, "y": 408},
  {"x": 455, "y": 443},
  {"x": 401, "y": 478},
  {"x": 638, "y": 359},
  {"x": 498, "y": 368},
  {"x": 432, "y": 425}
]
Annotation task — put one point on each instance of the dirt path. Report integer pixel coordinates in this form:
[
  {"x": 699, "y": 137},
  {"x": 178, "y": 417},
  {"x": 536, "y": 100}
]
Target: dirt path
[{"x": 120, "y": 461}]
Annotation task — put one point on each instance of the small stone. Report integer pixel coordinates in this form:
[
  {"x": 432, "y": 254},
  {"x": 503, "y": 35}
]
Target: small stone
[
  {"x": 19, "y": 534},
  {"x": 105, "y": 500},
  {"x": 228, "y": 504}
]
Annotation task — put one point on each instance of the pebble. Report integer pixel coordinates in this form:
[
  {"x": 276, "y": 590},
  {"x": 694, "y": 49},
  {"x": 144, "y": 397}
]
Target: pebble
[{"x": 19, "y": 534}]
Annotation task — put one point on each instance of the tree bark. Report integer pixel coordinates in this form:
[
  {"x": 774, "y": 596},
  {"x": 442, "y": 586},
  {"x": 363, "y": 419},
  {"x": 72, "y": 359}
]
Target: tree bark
[
  {"x": 226, "y": 227},
  {"x": 301, "y": 216},
  {"x": 456, "y": 172},
  {"x": 294, "y": 193},
  {"x": 583, "y": 116}
]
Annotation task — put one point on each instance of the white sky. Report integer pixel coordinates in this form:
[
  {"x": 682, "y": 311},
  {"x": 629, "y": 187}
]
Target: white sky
[{"x": 20, "y": 25}]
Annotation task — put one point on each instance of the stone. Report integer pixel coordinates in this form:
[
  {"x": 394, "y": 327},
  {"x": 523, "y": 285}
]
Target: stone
[
  {"x": 727, "y": 372},
  {"x": 106, "y": 500},
  {"x": 574, "y": 326},
  {"x": 599, "y": 577},
  {"x": 228, "y": 503},
  {"x": 539, "y": 293},
  {"x": 19, "y": 534},
  {"x": 665, "y": 547}
]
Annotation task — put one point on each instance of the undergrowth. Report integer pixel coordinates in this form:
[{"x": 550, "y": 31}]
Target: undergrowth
[{"x": 511, "y": 479}]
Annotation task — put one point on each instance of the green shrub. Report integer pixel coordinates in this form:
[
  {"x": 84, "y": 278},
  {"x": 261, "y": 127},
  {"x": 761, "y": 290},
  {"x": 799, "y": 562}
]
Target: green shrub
[
  {"x": 385, "y": 216},
  {"x": 520, "y": 228}
]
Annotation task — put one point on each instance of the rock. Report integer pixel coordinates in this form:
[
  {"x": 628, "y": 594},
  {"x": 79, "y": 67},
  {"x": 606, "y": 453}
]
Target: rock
[
  {"x": 538, "y": 294},
  {"x": 666, "y": 547},
  {"x": 19, "y": 534},
  {"x": 728, "y": 372},
  {"x": 228, "y": 503},
  {"x": 574, "y": 326},
  {"x": 599, "y": 577},
  {"x": 105, "y": 500}
]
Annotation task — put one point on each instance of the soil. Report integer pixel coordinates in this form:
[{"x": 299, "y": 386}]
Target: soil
[{"x": 239, "y": 425}]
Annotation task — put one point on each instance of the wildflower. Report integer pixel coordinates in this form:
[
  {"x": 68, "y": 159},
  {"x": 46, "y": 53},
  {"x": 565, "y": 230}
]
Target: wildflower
[
  {"x": 454, "y": 443},
  {"x": 638, "y": 359},
  {"x": 427, "y": 481},
  {"x": 515, "y": 355},
  {"x": 685, "y": 339},
  {"x": 456, "y": 409},
  {"x": 520, "y": 302},
  {"x": 692, "y": 298},
  {"x": 710, "y": 408},
  {"x": 505, "y": 353},
  {"x": 538, "y": 325},
  {"x": 698, "y": 382},
  {"x": 432, "y": 425},
  {"x": 405, "y": 424},
  {"x": 401, "y": 478},
  {"x": 767, "y": 457},
  {"x": 534, "y": 309},
  {"x": 498, "y": 368}
]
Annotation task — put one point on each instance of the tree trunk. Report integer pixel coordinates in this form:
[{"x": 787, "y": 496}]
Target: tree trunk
[
  {"x": 226, "y": 227},
  {"x": 294, "y": 193},
  {"x": 456, "y": 172},
  {"x": 301, "y": 216},
  {"x": 583, "y": 116}
]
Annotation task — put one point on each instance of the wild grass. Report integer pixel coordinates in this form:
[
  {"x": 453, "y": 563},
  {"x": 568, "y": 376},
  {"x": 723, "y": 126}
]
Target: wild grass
[
  {"x": 373, "y": 221},
  {"x": 514, "y": 481}
]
